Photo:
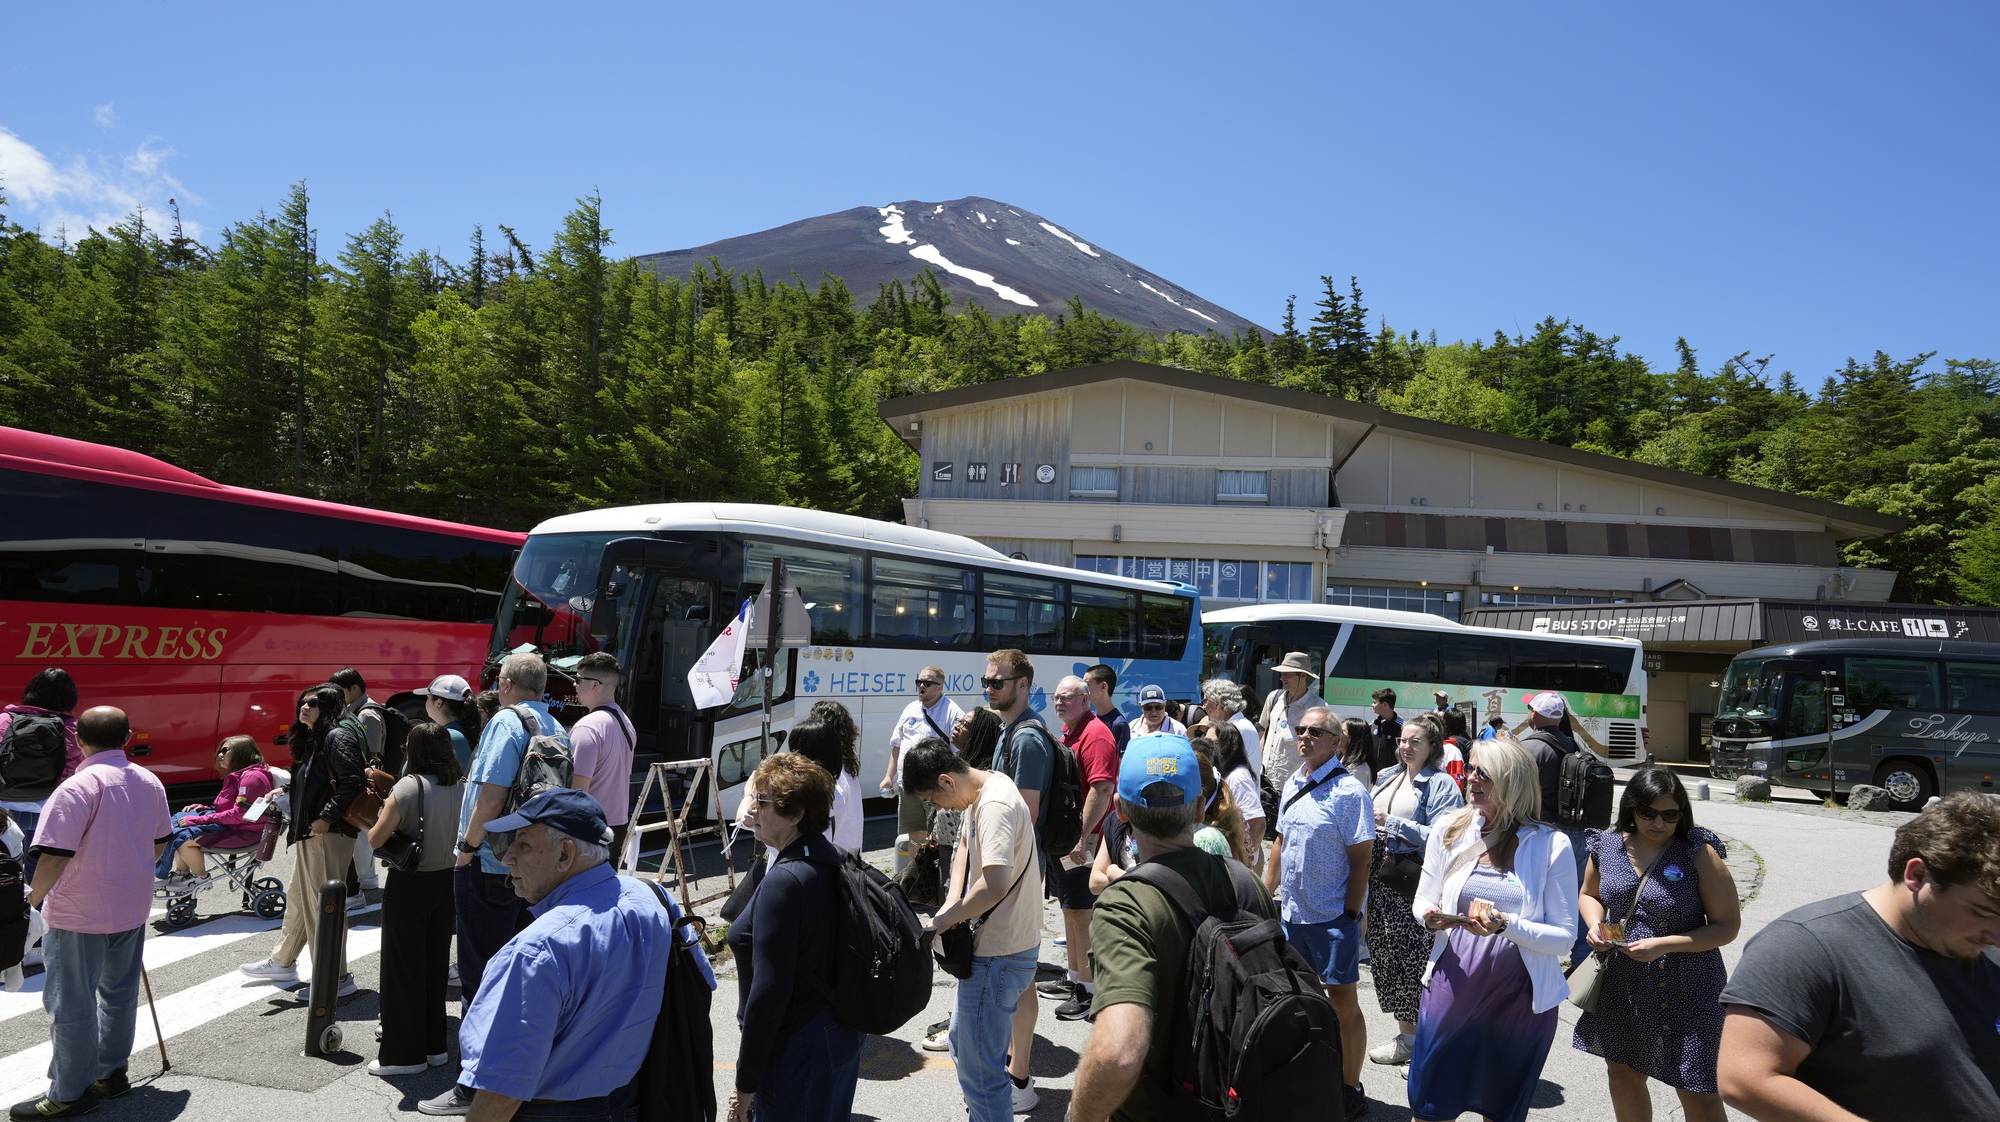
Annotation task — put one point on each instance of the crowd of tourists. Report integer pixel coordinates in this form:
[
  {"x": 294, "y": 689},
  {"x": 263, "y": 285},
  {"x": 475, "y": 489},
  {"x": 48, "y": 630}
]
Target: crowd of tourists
[{"x": 1254, "y": 855}]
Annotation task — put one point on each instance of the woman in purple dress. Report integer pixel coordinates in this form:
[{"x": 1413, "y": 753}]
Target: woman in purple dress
[
  {"x": 1657, "y": 1013},
  {"x": 1503, "y": 885}
]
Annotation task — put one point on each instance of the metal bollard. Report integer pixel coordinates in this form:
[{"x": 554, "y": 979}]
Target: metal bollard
[
  {"x": 329, "y": 942},
  {"x": 1701, "y": 791}
]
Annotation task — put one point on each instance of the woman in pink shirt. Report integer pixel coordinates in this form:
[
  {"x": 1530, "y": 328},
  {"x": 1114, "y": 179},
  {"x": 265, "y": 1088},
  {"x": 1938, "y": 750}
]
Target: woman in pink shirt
[{"x": 245, "y": 780}]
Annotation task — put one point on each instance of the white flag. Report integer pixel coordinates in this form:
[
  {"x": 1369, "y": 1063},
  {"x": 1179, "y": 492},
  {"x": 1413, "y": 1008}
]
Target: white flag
[{"x": 714, "y": 675}]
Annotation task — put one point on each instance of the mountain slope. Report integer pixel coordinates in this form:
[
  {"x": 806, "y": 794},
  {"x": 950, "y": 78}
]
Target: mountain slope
[{"x": 999, "y": 256}]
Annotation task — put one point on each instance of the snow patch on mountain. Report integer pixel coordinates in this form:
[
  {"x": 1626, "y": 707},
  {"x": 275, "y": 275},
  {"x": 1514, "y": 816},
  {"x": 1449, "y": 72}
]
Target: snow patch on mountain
[
  {"x": 982, "y": 217},
  {"x": 1176, "y": 303},
  {"x": 895, "y": 233},
  {"x": 984, "y": 280},
  {"x": 1064, "y": 235},
  {"x": 1011, "y": 241}
]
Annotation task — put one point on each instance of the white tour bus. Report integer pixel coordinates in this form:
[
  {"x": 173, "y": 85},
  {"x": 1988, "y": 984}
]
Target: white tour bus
[
  {"x": 1360, "y": 650},
  {"x": 651, "y": 583}
]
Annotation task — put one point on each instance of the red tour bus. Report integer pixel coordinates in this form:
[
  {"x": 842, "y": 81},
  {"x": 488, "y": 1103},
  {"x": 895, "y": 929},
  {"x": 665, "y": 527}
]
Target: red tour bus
[{"x": 202, "y": 610}]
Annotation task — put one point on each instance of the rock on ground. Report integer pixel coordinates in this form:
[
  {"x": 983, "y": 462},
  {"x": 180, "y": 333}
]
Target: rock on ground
[
  {"x": 1866, "y": 796},
  {"x": 1752, "y": 787}
]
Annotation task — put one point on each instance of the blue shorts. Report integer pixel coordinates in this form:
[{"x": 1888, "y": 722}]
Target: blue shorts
[{"x": 1332, "y": 949}]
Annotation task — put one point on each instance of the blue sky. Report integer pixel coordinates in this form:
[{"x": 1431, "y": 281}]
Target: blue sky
[{"x": 1809, "y": 180}]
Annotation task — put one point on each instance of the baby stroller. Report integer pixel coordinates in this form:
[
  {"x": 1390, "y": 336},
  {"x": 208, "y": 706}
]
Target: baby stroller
[{"x": 238, "y": 866}]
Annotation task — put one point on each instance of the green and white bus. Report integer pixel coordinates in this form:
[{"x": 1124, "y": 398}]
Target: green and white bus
[
  {"x": 1360, "y": 650},
  {"x": 1916, "y": 717}
]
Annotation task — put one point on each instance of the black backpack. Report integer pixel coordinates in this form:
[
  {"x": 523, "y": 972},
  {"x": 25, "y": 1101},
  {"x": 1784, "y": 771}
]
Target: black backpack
[
  {"x": 546, "y": 761},
  {"x": 882, "y": 960},
  {"x": 395, "y": 732},
  {"x": 676, "y": 1080},
  {"x": 1583, "y": 784},
  {"x": 31, "y": 756},
  {"x": 1059, "y": 825},
  {"x": 1254, "y": 1037}
]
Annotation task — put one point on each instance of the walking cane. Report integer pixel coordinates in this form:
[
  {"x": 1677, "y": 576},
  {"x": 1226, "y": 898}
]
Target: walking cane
[{"x": 165, "y": 1066}]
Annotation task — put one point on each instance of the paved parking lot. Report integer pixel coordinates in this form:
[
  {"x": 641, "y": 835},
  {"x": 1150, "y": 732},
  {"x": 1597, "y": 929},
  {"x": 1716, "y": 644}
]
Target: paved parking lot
[{"x": 235, "y": 1045}]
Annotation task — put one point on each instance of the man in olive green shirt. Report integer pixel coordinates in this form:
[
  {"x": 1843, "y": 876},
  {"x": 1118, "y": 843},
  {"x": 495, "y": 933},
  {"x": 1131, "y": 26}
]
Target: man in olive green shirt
[{"x": 1139, "y": 944}]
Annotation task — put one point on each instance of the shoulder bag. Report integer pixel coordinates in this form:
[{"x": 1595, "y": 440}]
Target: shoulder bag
[
  {"x": 403, "y": 852},
  {"x": 1586, "y": 978},
  {"x": 953, "y": 946}
]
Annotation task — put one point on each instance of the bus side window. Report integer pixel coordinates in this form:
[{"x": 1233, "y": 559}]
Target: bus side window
[
  {"x": 1891, "y": 683},
  {"x": 1972, "y": 687},
  {"x": 1805, "y": 711}
]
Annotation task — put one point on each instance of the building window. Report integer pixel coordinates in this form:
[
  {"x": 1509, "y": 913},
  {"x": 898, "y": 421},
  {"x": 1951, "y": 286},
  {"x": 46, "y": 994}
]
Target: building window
[
  {"x": 1270, "y": 582},
  {"x": 1543, "y": 599},
  {"x": 1242, "y": 486},
  {"x": 1094, "y": 481},
  {"x": 1288, "y": 582},
  {"x": 1433, "y": 601}
]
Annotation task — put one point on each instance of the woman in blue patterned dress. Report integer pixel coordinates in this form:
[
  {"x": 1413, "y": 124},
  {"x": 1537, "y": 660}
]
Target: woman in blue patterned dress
[
  {"x": 1657, "y": 1011},
  {"x": 1503, "y": 884}
]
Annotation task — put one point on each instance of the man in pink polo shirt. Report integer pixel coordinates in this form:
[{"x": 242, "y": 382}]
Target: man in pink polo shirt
[{"x": 101, "y": 832}]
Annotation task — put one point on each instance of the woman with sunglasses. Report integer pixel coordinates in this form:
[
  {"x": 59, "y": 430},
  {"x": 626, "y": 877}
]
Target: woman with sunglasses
[{"x": 1657, "y": 1014}]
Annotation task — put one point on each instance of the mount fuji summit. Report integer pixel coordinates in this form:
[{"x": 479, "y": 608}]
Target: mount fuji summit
[{"x": 983, "y": 251}]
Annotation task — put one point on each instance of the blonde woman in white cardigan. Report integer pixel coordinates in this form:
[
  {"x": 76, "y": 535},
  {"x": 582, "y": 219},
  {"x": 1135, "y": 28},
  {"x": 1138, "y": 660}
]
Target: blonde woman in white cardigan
[{"x": 1500, "y": 887}]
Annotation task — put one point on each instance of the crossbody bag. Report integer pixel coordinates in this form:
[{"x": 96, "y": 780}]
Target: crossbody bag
[{"x": 1586, "y": 979}]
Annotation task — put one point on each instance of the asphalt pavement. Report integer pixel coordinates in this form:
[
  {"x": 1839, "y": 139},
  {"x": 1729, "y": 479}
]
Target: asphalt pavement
[{"x": 235, "y": 1045}]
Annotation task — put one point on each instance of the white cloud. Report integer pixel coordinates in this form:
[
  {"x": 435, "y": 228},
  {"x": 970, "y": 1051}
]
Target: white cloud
[
  {"x": 105, "y": 115},
  {"x": 91, "y": 190}
]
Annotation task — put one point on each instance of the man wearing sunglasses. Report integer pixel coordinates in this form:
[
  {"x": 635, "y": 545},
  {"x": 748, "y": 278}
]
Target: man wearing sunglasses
[{"x": 931, "y": 714}]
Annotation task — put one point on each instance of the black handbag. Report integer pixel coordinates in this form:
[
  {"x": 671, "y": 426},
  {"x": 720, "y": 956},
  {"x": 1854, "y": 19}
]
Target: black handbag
[
  {"x": 1401, "y": 873},
  {"x": 404, "y": 852}
]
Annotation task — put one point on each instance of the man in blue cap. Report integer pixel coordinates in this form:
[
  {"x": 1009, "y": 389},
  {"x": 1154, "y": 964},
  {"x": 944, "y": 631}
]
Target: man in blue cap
[
  {"x": 565, "y": 1010},
  {"x": 1138, "y": 941}
]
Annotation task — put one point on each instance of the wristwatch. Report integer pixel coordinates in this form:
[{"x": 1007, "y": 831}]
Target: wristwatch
[{"x": 467, "y": 847}]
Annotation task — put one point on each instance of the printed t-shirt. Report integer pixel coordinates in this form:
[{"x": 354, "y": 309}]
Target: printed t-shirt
[
  {"x": 1001, "y": 833},
  {"x": 107, "y": 818},
  {"x": 1897, "y": 1031},
  {"x": 1138, "y": 956},
  {"x": 914, "y": 727}
]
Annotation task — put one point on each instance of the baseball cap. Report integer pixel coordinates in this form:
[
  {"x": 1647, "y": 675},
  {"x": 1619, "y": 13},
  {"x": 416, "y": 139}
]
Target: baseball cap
[
  {"x": 1152, "y": 695},
  {"x": 1160, "y": 770},
  {"x": 451, "y": 687},
  {"x": 1549, "y": 705},
  {"x": 564, "y": 810}
]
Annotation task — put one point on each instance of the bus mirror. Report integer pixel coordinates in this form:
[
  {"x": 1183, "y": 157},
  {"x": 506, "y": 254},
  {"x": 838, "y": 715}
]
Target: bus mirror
[{"x": 582, "y": 604}]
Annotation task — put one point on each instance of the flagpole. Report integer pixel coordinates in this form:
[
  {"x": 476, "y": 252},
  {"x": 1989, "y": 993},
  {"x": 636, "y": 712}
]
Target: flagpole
[{"x": 776, "y": 591}]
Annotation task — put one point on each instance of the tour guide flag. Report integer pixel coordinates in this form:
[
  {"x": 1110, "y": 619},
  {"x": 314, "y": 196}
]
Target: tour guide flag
[{"x": 714, "y": 675}]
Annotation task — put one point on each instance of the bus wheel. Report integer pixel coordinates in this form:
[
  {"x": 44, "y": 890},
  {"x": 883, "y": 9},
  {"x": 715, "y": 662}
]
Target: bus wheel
[{"x": 1908, "y": 782}]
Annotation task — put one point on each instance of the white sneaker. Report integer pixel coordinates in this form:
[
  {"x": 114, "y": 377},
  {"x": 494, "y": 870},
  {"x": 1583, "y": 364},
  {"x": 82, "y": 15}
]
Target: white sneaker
[
  {"x": 356, "y": 902},
  {"x": 439, "y": 1060},
  {"x": 1025, "y": 1098},
  {"x": 377, "y": 1067},
  {"x": 346, "y": 986},
  {"x": 269, "y": 971},
  {"x": 1395, "y": 1050},
  {"x": 1059, "y": 941},
  {"x": 451, "y": 974}
]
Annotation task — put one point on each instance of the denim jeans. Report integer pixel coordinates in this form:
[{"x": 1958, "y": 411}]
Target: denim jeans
[
  {"x": 182, "y": 835},
  {"x": 982, "y": 1028},
  {"x": 92, "y": 995},
  {"x": 1582, "y": 855}
]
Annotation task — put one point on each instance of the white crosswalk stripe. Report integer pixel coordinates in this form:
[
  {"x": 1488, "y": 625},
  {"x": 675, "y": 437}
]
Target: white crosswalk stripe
[{"x": 25, "y": 1073}]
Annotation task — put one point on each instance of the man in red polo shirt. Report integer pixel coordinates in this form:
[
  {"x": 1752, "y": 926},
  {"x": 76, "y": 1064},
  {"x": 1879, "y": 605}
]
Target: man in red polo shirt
[{"x": 1097, "y": 758}]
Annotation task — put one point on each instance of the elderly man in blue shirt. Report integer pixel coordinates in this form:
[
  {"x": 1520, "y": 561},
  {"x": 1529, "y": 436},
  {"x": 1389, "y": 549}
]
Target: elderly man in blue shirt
[
  {"x": 1318, "y": 869},
  {"x": 564, "y": 1013}
]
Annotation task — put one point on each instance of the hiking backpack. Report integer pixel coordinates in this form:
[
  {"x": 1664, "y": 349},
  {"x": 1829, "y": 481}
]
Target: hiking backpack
[
  {"x": 1583, "y": 784},
  {"x": 395, "y": 731},
  {"x": 1254, "y": 1037},
  {"x": 1059, "y": 825},
  {"x": 882, "y": 959},
  {"x": 546, "y": 762},
  {"x": 32, "y": 755}
]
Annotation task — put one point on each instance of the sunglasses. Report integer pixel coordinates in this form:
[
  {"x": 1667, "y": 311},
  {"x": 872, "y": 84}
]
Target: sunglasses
[
  {"x": 1477, "y": 773},
  {"x": 996, "y": 683},
  {"x": 929, "y": 682},
  {"x": 1314, "y": 731},
  {"x": 1648, "y": 814}
]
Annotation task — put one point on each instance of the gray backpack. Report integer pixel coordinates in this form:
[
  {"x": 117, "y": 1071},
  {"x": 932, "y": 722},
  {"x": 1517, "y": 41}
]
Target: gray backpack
[{"x": 546, "y": 763}]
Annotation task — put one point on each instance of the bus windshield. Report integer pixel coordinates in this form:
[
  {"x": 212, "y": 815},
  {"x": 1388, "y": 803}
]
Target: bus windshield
[
  {"x": 547, "y": 604},
  {"x": 1751, "y": 689}
]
